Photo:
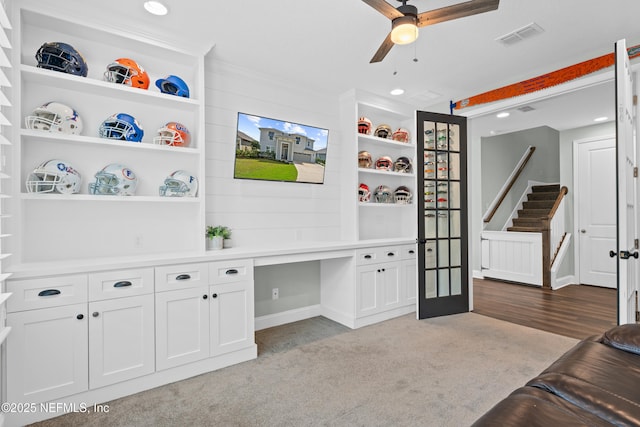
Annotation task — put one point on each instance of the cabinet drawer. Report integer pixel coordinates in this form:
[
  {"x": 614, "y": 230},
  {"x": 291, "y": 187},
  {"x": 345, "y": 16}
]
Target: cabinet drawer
[
  {"x": 46, "y": 292},
  {"x": 377, "y": 255},
  {"x": 230, "y": 271},
  {"x": 120, "y": 283},
  {"x": 408, "y": 252},
  {"x": 181, "y": 276}
]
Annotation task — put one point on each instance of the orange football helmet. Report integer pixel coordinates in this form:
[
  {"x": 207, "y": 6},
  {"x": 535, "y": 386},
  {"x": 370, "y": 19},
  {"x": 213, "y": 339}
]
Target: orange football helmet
[
  {"x": 127, "y": 72},
  {"x": 173, "y": 133}
]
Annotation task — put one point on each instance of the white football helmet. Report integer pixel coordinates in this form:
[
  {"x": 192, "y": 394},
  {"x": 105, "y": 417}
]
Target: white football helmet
[
  {"x": 383, "y": 194},
  {"x": 54, "y": 176},
  {"x": 179, "y": 184},
  {"x": 173, "y": 133},
  {"x": 114, "y": 179},
  {"x": 55, "y": 117}
]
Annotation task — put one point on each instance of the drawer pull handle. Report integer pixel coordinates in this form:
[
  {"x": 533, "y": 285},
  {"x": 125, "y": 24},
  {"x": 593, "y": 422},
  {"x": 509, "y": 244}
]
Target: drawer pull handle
[
  {"x": 367, "y": 257},
  {"x": 48, "y": 292},
  {"x": 183, "y": 277},
  {"x": 214, "y": 296},
  {"x": 391, "y": 254},
  {"x": 412, "y": 251},
  {"x": 231, "y": 271},
  {"x": 95, "y": 314},
  {"x": 205, "y": 296},
  {"x": 80, "y": 316},
  {"x": 122, "y": 284}
]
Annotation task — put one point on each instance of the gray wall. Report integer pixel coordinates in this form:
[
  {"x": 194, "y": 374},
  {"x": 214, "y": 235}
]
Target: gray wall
[
  {"x": 500, "y": 155},
  {"x": 298, "y": 285}
]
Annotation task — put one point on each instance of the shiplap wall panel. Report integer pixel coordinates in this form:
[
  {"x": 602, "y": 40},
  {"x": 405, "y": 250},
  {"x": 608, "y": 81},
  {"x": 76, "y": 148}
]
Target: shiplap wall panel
[{"x": 261, "y": 212}]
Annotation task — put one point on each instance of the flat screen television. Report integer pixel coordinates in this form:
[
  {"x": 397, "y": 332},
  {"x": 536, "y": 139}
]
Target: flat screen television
[{"x": 278, "y": 150}]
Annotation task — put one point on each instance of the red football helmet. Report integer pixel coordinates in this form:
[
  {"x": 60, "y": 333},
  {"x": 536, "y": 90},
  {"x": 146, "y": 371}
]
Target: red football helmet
[
  {"x": 364, "y": 126},
  {"x": 384, "y": 163}
]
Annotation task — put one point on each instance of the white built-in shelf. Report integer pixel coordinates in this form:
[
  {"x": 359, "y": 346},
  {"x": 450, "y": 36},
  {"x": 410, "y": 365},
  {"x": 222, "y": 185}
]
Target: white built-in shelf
[
  {"x": 4, "y": 175},
  {"x": 385, "y": 141},
  {"x": 105, "y": 198},
  {"x": 4, "y": 333},
  {"x": 82, "y": 140},
  {"x": 386, "y": 173},
  {"x": 5, "y": 276},
  {"x": 384, "y": 205},
  {"x": 4, "y": 296},
  {"x": 87, "y": 85}
]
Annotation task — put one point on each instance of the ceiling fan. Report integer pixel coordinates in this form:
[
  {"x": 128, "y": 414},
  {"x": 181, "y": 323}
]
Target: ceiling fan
[{"x": 405, "y": 19}]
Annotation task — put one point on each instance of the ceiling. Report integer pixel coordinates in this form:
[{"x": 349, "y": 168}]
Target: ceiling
[{"x": 327, "y": 44}]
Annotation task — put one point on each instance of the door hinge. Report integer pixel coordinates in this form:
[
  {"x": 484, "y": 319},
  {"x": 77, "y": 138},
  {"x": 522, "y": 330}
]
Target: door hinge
[
  {"x": 636, "y": 244},
  {"x": 635, "y": 99},
  {"x": 635, "y": 171}
]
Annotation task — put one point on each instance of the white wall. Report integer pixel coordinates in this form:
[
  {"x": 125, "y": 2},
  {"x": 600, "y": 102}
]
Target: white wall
[{"x": 261, "y": 213}]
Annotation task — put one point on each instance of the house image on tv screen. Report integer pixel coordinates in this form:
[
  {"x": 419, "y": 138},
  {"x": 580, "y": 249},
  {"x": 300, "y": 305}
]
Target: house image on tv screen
[{"x": 288, "y": 147}]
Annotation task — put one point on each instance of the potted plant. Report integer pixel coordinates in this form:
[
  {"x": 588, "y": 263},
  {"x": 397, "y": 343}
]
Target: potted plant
[
  {"x": 215, "y": 236},
  {"x": 226, "y": 236}
]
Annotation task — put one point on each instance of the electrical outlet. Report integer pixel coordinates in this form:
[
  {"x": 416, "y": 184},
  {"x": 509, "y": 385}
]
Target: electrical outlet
[{"x": 275, "y": 293}]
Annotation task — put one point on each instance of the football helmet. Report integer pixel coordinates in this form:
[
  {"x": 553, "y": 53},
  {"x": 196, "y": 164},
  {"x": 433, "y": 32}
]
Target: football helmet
[
  {"x": 364, "y": 159},
  {"x": 364, "y": 126},
  {"x": 179, "y": 184},
  {"x": 121, "y": 126},
  {"x": 61, "y": 57},
  {"x": 114, "y": 179},
  {"x": 400, "y": 135},
  {"x": 173, "y": 133},
  {"x": 55, "y": 117},
  {"x": 383, "y": 131},
  {"x": 383, "y": 194},
  {"x": 403, "y": 165},
  {"x": 54, "y": 176},
  {"x": 364, "y": 195},
  {"x": 402, "y": 195},
  {"x": 384, "y": 163},
  {"x": 173, "y": 85},
  {"x": 127, "y": 72}
]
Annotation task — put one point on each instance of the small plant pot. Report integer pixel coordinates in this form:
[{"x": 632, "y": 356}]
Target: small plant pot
[
  {"x": 215, "y": 243},
  {"x": 227, "y": 243}
]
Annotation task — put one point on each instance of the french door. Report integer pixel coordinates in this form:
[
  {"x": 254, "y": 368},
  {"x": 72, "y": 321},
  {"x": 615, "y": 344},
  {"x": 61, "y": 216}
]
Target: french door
[{"x": 443, "y": 286}]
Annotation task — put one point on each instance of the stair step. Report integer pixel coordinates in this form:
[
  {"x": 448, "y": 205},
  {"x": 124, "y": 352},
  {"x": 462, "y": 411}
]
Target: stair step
[
  {"x": 527, "y": 222},
  {"x": 538, "y": 204},
  {"x": 545, "y": 188},
  {"x": 543, "y": 195},
  {"x": 533, "y": 213},
  {"x": 525, "y": 229}
]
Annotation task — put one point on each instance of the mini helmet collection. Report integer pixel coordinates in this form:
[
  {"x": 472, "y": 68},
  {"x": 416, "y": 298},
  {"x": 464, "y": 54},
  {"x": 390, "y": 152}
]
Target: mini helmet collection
[
  {"x": 364, "y": 194},
  {"x": 383, "y": 131},
  {"x": 173, "y": 133},
  {"x": 54, "y": 176},
  {"x": 173, "y": 85},
  {"x": 179, "y": 184},
  {"x": 364, "y": 159},
  {"x": 61, "y": 57},
  {"x": 114, "y": 179},
  {"x": 55, "y": 117},
  {"x": 364, "y": 126},
  {"x": 121, "y": 126},
  {"x": 384, "y": 163},
  {"x": 128, "y": 72}
]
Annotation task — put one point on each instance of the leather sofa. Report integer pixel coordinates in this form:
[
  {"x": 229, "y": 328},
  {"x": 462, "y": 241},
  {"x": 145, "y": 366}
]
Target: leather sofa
[{"x": 595, "y": 383}]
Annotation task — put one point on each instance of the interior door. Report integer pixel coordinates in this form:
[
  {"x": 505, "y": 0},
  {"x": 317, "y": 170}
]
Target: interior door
[
  {"x": 626, "y": 249},
  {"x": 443, "y": 285},
  {"x": 596, "y": 176}
]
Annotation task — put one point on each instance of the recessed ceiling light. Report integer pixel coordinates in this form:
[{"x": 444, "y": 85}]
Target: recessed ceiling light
[
  {"x": 397, "y": 91},
  {"x": 502, "y": 115},
  {"x": 600, "y": 119},
  {"x": 155, "y": 7}
]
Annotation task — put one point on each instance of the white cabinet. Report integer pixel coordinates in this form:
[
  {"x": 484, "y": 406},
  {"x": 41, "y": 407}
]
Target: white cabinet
[
  {"x": 208, "y": 314},
  {"x": 389, "y": 215},
  {"x": 378, "y": 280},
  {"x": 122, "y": 226},
  {"x": 47, "y": 353},
  {"x": 409, "y": 274}
]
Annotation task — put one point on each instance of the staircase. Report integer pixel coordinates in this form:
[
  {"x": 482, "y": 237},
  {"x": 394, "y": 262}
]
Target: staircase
[{"x": 539, "y": 203}]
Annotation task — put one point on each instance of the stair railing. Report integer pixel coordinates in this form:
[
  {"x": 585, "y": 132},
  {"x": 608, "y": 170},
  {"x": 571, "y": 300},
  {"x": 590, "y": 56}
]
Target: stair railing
[
  {"x": 553, "y": 232},
  {"x": 493, "y": 208}
]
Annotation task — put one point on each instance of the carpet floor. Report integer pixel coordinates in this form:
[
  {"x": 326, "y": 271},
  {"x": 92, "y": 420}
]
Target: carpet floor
[{"x": 445, "y": 371}]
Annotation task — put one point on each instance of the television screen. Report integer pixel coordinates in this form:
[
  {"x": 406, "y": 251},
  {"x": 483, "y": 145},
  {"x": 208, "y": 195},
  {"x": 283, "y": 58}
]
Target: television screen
[{"x": 277, "y": 150}]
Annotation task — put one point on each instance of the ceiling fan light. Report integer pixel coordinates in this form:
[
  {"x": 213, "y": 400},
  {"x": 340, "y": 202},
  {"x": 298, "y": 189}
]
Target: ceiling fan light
[{"x": 404, "y": 30}]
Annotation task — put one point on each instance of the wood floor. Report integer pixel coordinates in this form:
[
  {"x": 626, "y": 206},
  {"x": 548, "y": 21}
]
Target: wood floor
[{"x": 576, "y": 311}]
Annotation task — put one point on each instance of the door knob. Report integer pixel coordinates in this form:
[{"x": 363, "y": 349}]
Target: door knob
[
  {"x": 583, "y": 231},
  {"x": 612, "y": 254},
  {"x": 627, "y": 255}
]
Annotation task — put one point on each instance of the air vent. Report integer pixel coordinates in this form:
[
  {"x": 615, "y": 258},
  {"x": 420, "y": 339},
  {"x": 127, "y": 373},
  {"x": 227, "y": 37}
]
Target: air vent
[
  {"x": 520, "y": 34},
  {"x": 525, "y": 108}
]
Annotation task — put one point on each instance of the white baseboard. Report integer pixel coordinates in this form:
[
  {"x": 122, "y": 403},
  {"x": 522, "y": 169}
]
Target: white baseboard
[
  {"x": 477, "y": 274},
  {"x": 276, "y": 319},
  {"x": 563, "y": 281}
]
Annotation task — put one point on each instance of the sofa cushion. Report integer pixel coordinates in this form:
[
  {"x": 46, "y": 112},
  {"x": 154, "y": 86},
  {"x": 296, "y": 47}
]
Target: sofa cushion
[
  {"x": 623, "y": 337},
  {"x": 597, "y": 378},
  {"x": 533, "y": 407}
]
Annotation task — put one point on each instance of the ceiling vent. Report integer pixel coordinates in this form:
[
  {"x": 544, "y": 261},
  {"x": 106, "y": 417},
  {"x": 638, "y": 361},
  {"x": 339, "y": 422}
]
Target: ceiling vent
[
  {"x": 520, "y": 34},
  {"x": 525, "y": 108}
]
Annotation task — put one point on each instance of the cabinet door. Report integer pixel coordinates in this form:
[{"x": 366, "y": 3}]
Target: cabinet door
[
  {"x": 409, "y": 280},
  {"x": 182, "y": 326},
  {"x": 390, "y": 286},
  {"x": 47, "y": 353},
  {"x": 367, "y": 284},
  {"x": 122, "y": 337},
  {"x": 231, "y": 317}
]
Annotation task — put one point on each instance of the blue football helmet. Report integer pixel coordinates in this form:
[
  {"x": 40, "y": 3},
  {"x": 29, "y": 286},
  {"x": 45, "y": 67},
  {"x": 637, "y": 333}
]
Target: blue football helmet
[
  {"x": 121, "y": 126},
  {"x": 173, "y": 85},
  {"x": 61, "y": 57}
]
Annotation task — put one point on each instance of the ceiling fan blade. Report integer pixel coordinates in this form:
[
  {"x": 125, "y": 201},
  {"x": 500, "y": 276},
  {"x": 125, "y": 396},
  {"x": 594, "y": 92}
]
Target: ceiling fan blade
[
  {"x": 456, "y": 11},
  {"x": 384, "y": 48},
  {"x": 384, "y": 8}
]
